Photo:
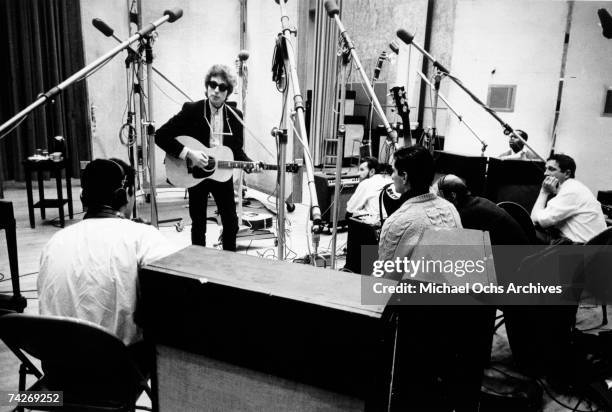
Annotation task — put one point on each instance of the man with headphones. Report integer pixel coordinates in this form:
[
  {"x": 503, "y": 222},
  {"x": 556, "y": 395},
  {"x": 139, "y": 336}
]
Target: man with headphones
[
  {"x": 213, "y": 123},
  {"x": 89, "y": 270}
]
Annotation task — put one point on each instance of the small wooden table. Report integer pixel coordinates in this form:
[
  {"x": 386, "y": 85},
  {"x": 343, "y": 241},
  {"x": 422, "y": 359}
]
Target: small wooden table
[{"x": 55, "y": 168}]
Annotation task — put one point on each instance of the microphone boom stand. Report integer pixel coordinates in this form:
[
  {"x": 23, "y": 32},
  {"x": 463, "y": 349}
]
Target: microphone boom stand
[
  {"x": 315, "y": 211},
  {"x": 452, "y": 109},
  {"x": 281, "y": 136},
  {"x": 169, "y": 15},
  {"x": 408, "y": 39},
  {"x": 150, "y": 124},
  {"x": 434, "y": 112},
  {"x": 333, "y": 11},
  {"x": 339, "y": 155},
  {"x": 135, "y": 58}
]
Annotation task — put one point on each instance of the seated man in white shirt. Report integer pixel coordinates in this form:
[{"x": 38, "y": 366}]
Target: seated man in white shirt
[
  {"x": 565, "y": 207},
  {"x": 518, "y": 151},
  {"x": 89, "y": 270},
  {"x": 365, "y": 201}
]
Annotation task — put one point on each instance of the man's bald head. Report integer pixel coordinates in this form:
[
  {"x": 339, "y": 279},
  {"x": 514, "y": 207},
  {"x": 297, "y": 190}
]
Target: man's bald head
[{"x": 452, "y": 188}]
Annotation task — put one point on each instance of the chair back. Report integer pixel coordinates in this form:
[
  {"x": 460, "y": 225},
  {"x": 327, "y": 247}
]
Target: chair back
[
  {"x": 77, "y": 357},
  {"x": 388, "y": 201},
  {"x": 605, "y": 198},
  {"x": 522, "y": 217},
  {"x": 598, "y": 266}
]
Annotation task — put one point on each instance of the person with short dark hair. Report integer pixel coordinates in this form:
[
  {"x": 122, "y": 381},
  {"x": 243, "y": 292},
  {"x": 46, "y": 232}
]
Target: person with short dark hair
[
  {"x": 212, "y": 123},
  {"x": 413, "y": 173},
  {"x": 364, "y": 202},
  {"x": 89, "y": 270},
  {"x": 481, "y": 214},
  {"x": 518, "y": 150},
  {"x": 565, "y": 207}
]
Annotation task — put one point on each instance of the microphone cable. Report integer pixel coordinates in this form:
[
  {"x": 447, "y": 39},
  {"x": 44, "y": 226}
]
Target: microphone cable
[{"x": 279, "y": 73}]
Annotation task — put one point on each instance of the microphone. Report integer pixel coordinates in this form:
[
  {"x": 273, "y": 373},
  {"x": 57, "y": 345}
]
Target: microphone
[
  {"x": 243, "y": 55},
  {"x": 394, "y": 47},
  {"x": 103, "y": 27},
  {"x": 379, "y": 64},
  {"x": 606, "y": 23},
  {"x": 332, "y": 8},
  {"x": 408, "y": 38},
  {"x": 405, "y": 36},
  {"x": 173, "y": 14}
]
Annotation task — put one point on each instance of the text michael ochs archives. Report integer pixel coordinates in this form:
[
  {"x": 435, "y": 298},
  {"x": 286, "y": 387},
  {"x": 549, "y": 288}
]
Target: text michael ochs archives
[
  {"x": 409, "y": 269},
  {"x": 477, "y": 287}
]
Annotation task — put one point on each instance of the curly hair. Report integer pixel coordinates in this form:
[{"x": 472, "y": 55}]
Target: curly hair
[{"x": 223, "y": 71}]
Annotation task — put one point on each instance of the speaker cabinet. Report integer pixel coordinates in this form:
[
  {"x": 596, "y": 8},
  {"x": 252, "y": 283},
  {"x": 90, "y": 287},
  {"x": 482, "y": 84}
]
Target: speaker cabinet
[{"x": 324, "y": 185}]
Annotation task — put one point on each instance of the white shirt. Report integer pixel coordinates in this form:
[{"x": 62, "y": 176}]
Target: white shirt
[
  {"x": 215, "y": 123},
  {"x": 90, "y": 271},
  {"x": 574, "y": 211},
  {"x": 216, "y": 126},
  {"x": 365, "y": 199}
]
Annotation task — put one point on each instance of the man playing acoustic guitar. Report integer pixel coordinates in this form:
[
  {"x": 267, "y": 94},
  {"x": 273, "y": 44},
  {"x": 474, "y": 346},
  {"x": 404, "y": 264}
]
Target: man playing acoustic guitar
[{"x": 213, "y": 124}]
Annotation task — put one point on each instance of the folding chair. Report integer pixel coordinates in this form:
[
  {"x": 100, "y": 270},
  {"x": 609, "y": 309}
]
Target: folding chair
[{"x": 92, "y": 367}]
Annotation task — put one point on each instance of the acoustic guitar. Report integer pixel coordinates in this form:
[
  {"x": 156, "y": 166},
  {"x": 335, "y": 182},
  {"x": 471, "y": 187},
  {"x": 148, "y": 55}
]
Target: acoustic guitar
[{"x": 181, "y": 173}]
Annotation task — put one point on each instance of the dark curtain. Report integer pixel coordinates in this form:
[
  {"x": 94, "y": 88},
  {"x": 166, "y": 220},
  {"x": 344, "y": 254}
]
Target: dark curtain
[{"x": 41, "y": 45}]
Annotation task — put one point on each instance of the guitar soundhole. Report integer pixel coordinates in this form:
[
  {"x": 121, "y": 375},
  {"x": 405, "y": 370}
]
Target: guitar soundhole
[
  {"x": 212, "y": 165},
  {"x": 200, "y": 173}
]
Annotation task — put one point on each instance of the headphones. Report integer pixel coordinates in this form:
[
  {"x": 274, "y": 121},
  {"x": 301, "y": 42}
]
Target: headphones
[{"x": 120, "y": 195}]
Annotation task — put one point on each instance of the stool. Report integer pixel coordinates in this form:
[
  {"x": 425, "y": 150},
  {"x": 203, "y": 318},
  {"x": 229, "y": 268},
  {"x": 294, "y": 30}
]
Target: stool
[
  {"x": 15, "y": 302},
  {"x": 55, "y": 168}
]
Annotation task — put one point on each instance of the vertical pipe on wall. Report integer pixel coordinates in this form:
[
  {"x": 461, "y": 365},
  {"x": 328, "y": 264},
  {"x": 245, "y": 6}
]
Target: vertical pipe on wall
[
  {"x": 243, "y": 24},
  {"x": 566, "y": 38},
  {"x": 303, "y": 41},
  {"x": 425, "y": 66}
]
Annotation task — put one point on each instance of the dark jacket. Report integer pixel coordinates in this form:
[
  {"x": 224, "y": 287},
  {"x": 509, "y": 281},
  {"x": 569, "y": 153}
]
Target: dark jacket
[
  {"x": 190, "y": 122},
  {"x": 482, "y": 214}
]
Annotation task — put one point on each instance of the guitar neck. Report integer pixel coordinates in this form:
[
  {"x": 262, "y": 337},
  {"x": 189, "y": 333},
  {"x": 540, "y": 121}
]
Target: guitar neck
[{"x": 238, "y": 164}]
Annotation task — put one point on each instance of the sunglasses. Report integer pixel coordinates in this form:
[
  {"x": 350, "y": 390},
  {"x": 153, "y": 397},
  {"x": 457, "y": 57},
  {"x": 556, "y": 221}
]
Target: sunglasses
[{"x": 222, "y": 86}]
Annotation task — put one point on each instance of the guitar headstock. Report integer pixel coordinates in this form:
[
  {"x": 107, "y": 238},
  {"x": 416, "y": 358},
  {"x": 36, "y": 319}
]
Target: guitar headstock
[
  {"x": 293, "y": 167},
  {"x": 400, "y": 100}
]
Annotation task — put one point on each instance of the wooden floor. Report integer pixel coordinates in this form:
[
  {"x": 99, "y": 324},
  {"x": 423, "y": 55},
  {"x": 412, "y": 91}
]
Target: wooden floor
[
  {"x": 172, "y": 204},
  {"x": 30, "y": 243}
]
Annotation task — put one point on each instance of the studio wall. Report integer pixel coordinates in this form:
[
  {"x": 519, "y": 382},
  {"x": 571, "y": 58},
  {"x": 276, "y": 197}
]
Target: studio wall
[
  {"x": 583, "y": 132},
  {"x": 107, "y": 86},
  {"x": 483, "y": 42},
  {"x": 498, "y": 42}
]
